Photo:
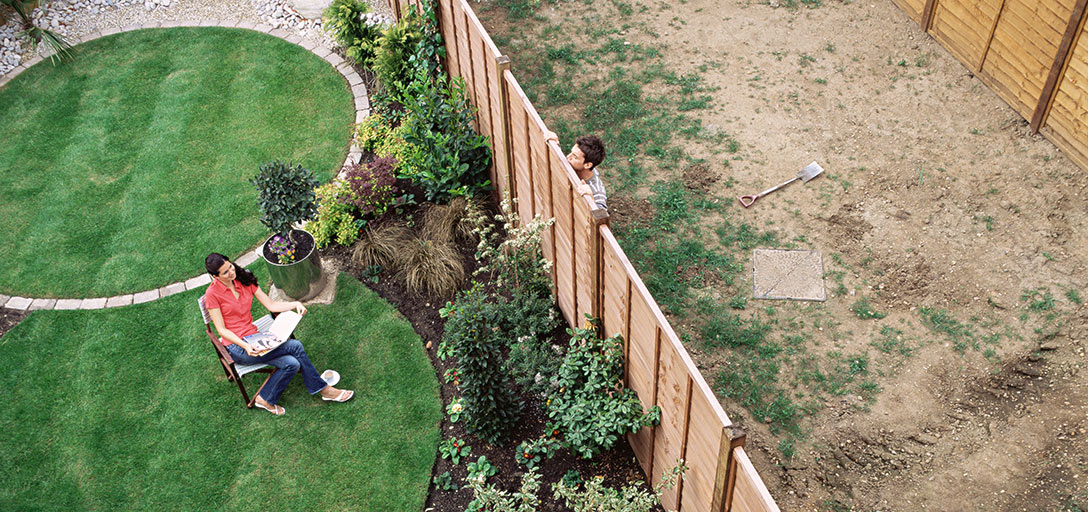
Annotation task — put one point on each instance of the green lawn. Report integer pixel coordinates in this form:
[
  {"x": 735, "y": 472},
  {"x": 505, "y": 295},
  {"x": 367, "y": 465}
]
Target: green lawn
[
  {"x": 122, "y": 169},
  {"x": 104, "y": 411}
]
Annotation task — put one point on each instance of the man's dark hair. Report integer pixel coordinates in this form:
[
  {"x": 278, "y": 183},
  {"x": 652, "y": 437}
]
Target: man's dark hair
[{"x": 592, "y": 147}]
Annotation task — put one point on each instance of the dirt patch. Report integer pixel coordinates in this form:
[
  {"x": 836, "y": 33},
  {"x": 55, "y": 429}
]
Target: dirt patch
[{"x": 937, "y": 204}]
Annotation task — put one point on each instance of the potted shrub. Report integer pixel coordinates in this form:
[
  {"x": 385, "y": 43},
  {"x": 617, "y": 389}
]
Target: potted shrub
[{"x": 285, "y": 195}]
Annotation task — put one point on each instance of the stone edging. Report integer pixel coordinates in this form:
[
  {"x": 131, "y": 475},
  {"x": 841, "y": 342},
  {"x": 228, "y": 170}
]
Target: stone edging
[{"x": 362, "y": 109}]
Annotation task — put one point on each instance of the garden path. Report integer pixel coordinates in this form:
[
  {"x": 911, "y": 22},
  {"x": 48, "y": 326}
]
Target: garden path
[{"x": 362, "y": 109}]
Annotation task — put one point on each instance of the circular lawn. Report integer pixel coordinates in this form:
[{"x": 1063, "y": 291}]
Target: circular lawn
[{"x": 123, "y": 168}]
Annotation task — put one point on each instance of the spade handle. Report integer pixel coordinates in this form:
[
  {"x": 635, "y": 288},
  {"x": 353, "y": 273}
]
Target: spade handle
[{"x": 747, "y": 201}]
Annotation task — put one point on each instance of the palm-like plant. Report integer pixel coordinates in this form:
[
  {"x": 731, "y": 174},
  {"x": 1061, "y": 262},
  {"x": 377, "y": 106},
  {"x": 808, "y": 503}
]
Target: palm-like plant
[{"x": 62, "y": 50}]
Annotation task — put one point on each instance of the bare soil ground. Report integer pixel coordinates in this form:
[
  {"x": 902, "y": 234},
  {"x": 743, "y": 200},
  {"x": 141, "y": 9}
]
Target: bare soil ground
[{"x": 935, "y": 196}]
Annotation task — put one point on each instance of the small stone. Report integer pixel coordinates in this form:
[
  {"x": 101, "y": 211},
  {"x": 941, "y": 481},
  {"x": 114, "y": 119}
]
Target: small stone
[
  {"x": 924, "y": 438},
  {"x": 1048, "y": 345}
]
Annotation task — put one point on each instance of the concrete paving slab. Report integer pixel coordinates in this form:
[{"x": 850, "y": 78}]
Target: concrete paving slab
[
  {"x": 143, "y": 297},
  {"x": 310, "y": 9},
  {"x": 247, "y": 259},
  {"x": 782, "y": 274},
  {"x": 20, "y": 303},
  {"x": 95, "y": 303},
  {"x": 198, "y": 281},
  {"x": 118, "y": 301},
  {"x": 43, "y": 304},
  {"x": 68, "y": 303},
  {"x": 171, "y": 289}
]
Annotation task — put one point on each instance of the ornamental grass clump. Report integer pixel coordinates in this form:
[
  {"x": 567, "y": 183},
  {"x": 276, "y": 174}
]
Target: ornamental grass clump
[
  {"x": 431, "y": 267},
  {"x": 592, "y": 410},
  {"x": 380, "y": 243}
]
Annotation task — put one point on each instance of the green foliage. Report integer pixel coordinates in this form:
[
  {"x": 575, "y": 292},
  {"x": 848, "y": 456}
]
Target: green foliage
[
  {"x": 864, "y": 310},
  {"x": 455, "y": 409},
  {"x": 534, "y": 366},
  {"x": 335, "y": 215},
  {"x": 941, "y": 321},
  {"x": 285, "y": 195},
  {"x": 60, "y": 48},
  {"x": 481, "y": 470},
  {"x": 532, "y": 453},
  {"x": 592, "y": 409},
  {"x": 377, "y": 134},
  {"x": 595, "y": 497},
  {"x": 453, "y": 449},
  {"x": 1038, "y": 301},
  {"x": 451, "y": 160},
  {"x": 346, "y": 22},
  {"x": 493, "y": 499},
  {"x": 1074, "y": 296},
  {"x": 491, "y": 407},
  {"x": 394, "y": 54},
  {"x": 445, "y": 482}
]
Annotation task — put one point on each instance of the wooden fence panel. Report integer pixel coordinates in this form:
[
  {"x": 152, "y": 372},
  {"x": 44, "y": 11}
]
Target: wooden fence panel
[
  {"x": 542, "y": 196},
  {"x": 562, "y": 202},
  {"x": 964, "y": 26},
  {"x": 642, "y": 370},
  {"x": 519, "y": 140},
  {"x": 617, "y": 291},
  {"x": 448, "y": 29},
  {"x": 750, "y": 495},
  {"x": 584, "y": 269},
  {"x": 1067, "y": 122},
  {"x": 701, "y": 456},
  {"x": 912, "y": 8},
  {"x": 673, "y": 396},
  {"x": 1024, "y": 45}
]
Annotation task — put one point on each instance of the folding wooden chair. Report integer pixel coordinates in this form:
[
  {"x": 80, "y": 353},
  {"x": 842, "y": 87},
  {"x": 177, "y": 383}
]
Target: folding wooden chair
[{"x": 233, "y": 370}]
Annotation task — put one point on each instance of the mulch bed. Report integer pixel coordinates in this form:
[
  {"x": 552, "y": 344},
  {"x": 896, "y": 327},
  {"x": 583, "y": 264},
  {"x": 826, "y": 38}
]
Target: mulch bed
[
  {"x": 618, "y": 466},
  {"x": 9, "y": 318}
]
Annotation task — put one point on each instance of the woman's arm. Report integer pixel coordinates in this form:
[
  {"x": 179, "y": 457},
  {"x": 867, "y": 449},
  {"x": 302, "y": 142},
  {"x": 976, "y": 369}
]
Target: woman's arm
[
  {"x": 276, "y": 306},
  {"x": 227, "y": 334}
]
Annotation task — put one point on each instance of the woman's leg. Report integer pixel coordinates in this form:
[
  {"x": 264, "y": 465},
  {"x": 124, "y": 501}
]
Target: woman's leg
[
  {"x": 285, "y": 363},
  {"x": 310, "y": 376}
]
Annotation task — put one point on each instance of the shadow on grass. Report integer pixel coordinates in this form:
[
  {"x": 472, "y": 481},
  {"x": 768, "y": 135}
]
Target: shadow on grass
[{"x": 127, "y": 408}]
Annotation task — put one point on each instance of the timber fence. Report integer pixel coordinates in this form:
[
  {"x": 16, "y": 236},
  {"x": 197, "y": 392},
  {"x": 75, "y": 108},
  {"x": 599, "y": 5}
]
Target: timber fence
[
  {"x": 593, "y": 276},
  {"x": 1030, "y": 52}
]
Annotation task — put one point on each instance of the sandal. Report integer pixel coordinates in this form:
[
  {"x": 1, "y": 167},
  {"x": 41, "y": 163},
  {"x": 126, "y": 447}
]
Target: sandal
[
  {"x": 277, "y": 410},
  {"x": 344, "y": 396}
]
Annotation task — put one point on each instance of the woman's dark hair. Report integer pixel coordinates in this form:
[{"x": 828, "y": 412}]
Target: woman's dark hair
[{"x": 216, "y": 260}]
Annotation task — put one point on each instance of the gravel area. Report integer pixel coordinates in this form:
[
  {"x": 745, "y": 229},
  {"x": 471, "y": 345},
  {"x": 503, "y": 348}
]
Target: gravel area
[{"x": 75, "y": 18}]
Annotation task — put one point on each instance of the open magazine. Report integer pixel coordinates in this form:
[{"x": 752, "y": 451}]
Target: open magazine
[{"x": 277, "y": 334}]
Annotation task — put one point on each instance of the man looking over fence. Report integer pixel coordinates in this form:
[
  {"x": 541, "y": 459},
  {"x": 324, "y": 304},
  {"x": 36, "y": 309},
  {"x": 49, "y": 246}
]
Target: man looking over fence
[{"x": 584, "y": 157}]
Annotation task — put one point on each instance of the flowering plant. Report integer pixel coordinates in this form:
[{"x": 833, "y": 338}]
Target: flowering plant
[
  {"x": 283, "y": 249},
  {"x": 454, "y": 409},
  {"x": 532, "y": 453},
  {"x": 454, "y": 449}
]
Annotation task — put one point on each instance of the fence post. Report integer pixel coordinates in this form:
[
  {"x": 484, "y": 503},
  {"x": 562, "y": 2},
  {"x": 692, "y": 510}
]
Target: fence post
[
  {"x": 726, "y": 477},
  {"x": 600, "y": 218},
  {"x": 1076, "y": 20},
  {"x": 502, "y": 65}
]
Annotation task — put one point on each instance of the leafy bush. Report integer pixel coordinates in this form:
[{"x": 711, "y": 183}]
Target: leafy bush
[
  {"x": 454, "y": 449},
  {"x": 592, "y": 410},
  {"x": 285, "y": 195},
  {"x": 378, "y": 135},
  {"x": 595, "y": 497},
  {"x": 373, "y": 186},
  {"x": 480, "y": 470},
  {"x": 531, "y": 453},
  {"x": 472, "y": 330},
  {"x": 393, "y": 54},
  {"x": 450, "y": 159},
  {"x": 491, "y": 498},
  {"x": 350, "y": 27},
  {"x": 534, "y": 366},
  {"x": 335, "y": 215}
]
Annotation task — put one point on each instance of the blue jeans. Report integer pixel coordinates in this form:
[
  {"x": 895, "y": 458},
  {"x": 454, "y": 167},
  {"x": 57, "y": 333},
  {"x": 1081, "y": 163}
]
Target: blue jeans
[{"x": 288, "y": 358}]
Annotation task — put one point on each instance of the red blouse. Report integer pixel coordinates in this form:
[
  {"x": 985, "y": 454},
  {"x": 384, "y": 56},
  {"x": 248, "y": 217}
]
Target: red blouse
[{"x": 237, "y": 313}]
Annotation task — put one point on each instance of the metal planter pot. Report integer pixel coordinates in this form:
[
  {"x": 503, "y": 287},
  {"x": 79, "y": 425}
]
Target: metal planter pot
[{"x": 302, "y": 279}]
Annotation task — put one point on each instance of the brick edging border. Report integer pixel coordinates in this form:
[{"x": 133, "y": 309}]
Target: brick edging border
[{"x": 362, "y": 110}]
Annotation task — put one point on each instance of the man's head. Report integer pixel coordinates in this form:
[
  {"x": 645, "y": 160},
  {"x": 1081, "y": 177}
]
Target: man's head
[{"x": 587, "y": 153}]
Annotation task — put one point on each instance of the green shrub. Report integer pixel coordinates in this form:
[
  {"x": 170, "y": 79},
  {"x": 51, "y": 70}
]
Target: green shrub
[
  {"x": 393, "y": 54},
  {"x": 595, "y": 497},
  {"x": 336, "y": 218},
  {"x": 491, "y": 408},
  {"x": 357, "y": 34},
  {"x": 285, "y": 195},
  {"x": 534, "y": 366},
  {"x": 450, "y": 159},
  {"x": 491, "y": 498},
  {"x": 531, "y": 453},
  {"x": 592, "y": 410}
]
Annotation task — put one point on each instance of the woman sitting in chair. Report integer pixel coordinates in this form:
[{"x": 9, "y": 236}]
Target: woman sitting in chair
[{"x": 228, "y": 301}]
